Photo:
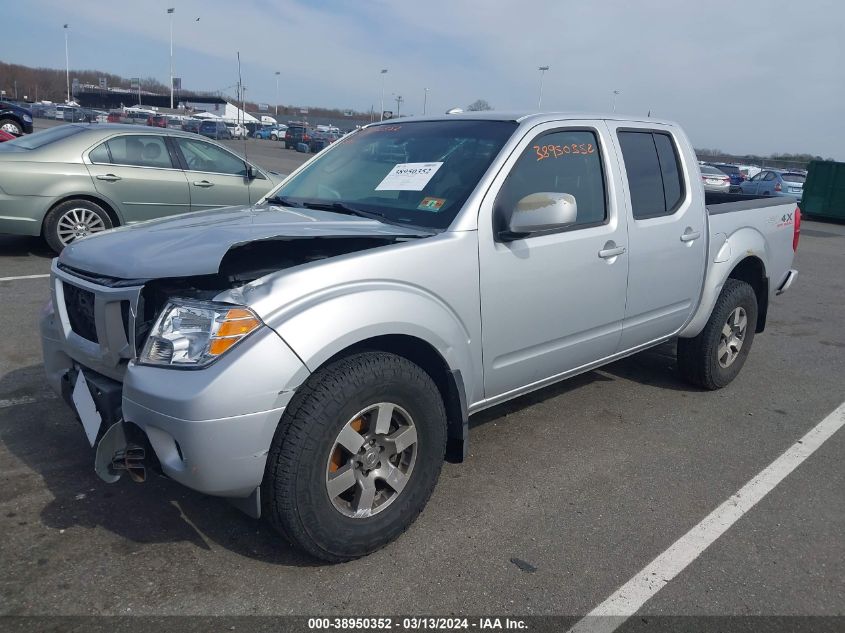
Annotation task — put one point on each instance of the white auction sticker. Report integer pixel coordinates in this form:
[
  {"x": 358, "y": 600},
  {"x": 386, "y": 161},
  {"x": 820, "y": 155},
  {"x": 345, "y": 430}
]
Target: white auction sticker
[{"x": 408, "y": 177}]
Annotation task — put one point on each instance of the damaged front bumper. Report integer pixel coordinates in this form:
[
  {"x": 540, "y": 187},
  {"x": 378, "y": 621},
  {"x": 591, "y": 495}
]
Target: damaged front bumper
[{"x": 209, "y": 429}]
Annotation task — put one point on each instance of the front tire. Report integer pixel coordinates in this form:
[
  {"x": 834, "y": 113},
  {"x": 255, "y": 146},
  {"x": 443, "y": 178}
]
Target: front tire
[
  {"x": 713, "y": 359},
  {"x": 72, "y": 220},
  {"x": 11, "y": 126},
  {"x": 356, "y": 456}
]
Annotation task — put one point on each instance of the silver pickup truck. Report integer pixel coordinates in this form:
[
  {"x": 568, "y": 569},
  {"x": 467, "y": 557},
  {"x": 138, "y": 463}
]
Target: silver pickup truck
[{"x": 316, "y": 356}]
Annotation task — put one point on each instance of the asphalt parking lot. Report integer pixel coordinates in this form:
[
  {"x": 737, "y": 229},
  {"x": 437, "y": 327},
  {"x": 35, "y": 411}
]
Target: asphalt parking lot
[
  {"x": 567, "y": 493},
  {"x": 268, "y": 154}
]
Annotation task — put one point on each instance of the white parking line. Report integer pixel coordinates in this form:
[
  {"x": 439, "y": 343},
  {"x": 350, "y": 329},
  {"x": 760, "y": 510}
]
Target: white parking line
[
  {"x": 631, "y": 596},
  {"x": 24, "y": 277},
  {"x": 13, "y": 402}
]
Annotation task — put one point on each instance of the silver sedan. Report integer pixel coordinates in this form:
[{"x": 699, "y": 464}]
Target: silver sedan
[{"x": 714, "y": 179}]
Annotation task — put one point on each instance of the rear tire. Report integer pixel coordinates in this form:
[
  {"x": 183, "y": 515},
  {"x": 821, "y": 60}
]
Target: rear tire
[
  {"x": 713, "y": 359},
  {"x": 73, "y": 219},
  {"x": 307, "y": 454}
]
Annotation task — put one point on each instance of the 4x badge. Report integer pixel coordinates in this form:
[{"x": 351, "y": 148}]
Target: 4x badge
[{"x": 785, "y": 220}]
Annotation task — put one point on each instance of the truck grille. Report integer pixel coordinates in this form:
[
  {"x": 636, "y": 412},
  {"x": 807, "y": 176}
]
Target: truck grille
[{"x": 80, "y": 311}]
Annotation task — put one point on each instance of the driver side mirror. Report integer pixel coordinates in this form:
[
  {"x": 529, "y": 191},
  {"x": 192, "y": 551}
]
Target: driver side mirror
[{"x": 540, "y": 213}]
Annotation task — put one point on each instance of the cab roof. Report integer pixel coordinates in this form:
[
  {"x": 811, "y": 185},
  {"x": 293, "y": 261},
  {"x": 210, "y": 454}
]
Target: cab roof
[{"x": 527, "y": 117}]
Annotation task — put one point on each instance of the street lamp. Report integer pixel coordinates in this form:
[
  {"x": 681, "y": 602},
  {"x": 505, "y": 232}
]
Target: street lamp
[
  {"x": 67, "y": 67},
  {"x": 381, "y": 114},
  {"x": 425, "y": 100},
  {"x": 615, "y": 94},
  {"x": 277, "y": 93},
  {"x": 170, "y": 13},
  {"x": 542, "y": 70},
  {"x": 399, "y": 100}
]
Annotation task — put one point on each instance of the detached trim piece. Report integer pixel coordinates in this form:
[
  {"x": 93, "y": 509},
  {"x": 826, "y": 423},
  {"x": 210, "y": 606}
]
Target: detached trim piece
[{"x": 790, "y": 277}]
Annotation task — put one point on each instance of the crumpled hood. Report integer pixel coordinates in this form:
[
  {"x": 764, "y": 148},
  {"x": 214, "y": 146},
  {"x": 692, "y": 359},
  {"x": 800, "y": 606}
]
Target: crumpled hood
[{"x": 195, "y": 243}]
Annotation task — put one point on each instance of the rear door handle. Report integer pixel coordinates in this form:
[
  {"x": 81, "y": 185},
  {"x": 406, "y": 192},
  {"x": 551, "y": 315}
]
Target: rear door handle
[
  {"x": 690, "y": 235},
  {"x": 607, "y": 253},
  {"x": 203, "y": 183},
  {"x": 108, "y": 177}
]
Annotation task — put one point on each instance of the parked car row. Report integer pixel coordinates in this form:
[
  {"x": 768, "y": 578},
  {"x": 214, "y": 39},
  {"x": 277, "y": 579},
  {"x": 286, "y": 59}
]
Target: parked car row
[
  {"x": 73, "y": 180},
  {"x": 724, "y": 178}
]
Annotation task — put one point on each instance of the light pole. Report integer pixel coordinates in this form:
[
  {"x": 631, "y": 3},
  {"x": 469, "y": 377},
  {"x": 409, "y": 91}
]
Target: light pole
[
  {"x": 277, "y": 93},
  {"x": 67, "y": 67},
  {"x": 381, "y": 114},
  {"x": 170, "y": 13},
  {"x": 425, "y": 100},
  {"x": 615, "y": 94},
  {"x": 542, "y": 70},
  {"x": 399, "y": 100}
]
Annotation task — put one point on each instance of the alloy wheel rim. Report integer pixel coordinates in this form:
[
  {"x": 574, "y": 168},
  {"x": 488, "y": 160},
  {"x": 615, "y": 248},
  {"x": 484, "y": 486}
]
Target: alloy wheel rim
[
  {"x": 732, "y": 337},
  {"x": 77, "y": 223},
  {"x": 11, "y": 128},
  {"x": 371, "y": 460}
]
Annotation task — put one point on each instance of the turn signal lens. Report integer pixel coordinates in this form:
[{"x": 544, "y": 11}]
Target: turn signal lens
[{"x": 237, "y": 327}]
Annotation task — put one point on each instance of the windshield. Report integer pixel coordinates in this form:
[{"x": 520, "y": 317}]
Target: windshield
[
  {"x": 418, "y": 173},
  {"x": 711, "y": 171},
  {"x": 44, "y": 137},
  {"x": 799, "y": 178}
]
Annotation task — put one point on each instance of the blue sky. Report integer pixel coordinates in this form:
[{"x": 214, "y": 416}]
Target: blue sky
[{"x": 745, "y": 76}]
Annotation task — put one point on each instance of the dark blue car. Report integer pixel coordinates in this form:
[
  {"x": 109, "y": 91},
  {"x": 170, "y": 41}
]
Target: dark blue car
[
  {"x": 736, "y": 176},
  {"x": 14, "y": 119}
]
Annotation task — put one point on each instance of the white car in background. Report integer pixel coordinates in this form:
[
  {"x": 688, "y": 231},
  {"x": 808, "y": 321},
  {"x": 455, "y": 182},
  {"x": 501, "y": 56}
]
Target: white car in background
[{"x": 238, "y": 130}]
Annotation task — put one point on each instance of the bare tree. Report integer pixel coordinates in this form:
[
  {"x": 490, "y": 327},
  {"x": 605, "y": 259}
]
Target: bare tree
[{"x": 478, "y": 105}]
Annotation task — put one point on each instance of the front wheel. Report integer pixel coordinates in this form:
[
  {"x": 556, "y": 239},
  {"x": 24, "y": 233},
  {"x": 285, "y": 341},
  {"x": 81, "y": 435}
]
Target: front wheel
[
  {"x": 356, "y": 456},
  {"x": 11, "y": 126},
  {"x": 714, "y": 358}
]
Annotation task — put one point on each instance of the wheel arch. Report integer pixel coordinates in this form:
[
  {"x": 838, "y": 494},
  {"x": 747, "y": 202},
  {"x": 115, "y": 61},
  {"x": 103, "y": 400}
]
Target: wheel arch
[
  {"x": 107, "y": 207},
  {"x": 449, "y": 381},
  {"x": 749, "y": 265},
  {"x": 752, "y": 271}
]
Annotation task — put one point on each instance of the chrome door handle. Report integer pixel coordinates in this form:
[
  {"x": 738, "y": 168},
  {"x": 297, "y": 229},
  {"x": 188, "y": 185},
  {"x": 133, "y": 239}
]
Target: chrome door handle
[
  {"x": 203, "y": 183},
  {"x": 607, "y": 253},
  {"x": 108, "y": 177},
  {"x": 690, "y": 236}
]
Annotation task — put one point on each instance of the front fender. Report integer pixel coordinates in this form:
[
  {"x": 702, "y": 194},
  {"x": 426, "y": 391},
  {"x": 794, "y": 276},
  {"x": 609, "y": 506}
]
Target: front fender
[
  {"x": 325, "y": 323},
  {"x": 744, "y": 243}
]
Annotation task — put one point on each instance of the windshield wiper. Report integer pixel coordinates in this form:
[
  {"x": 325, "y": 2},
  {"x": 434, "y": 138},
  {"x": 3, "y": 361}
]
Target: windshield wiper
[
  {"x": 342, "y": 207},
  {"x": 285, "y": 202}
]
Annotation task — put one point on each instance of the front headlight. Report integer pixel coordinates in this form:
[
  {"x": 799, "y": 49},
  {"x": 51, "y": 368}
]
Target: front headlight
[
  {"x": 27, "y": 118},
  {"x": 195, "y": 333}
]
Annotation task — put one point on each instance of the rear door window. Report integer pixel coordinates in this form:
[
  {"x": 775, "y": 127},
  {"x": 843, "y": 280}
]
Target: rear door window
[
  {"x": 655, "y": 180},
  {"x": 799, "y": 178},
  {"x": 142, "y": 150}
]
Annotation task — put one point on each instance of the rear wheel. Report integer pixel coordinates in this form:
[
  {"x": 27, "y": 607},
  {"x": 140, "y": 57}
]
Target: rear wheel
[
  {"x": 356, "y": 456},
  {"x": 72, "y": 220},
  {"x": 714, "y": 358}
]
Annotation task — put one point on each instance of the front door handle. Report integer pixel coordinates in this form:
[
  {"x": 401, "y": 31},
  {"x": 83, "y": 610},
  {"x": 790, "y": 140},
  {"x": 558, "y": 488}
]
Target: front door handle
[
  {"x": 690, "y": 235},
  {"x": 108, "y": 177},
  {"x": 203, "y": 183},
  {"x": 607, "y": 253}
]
